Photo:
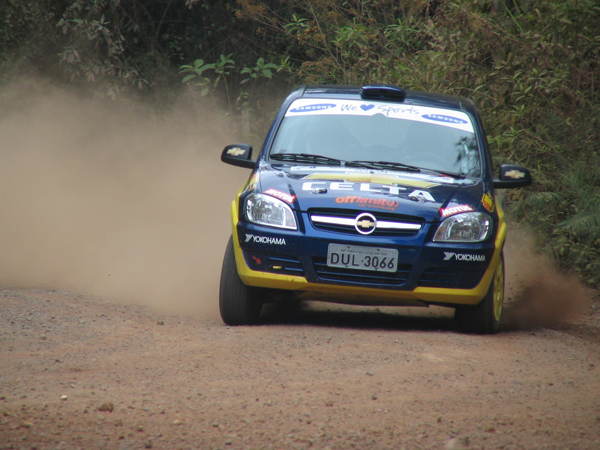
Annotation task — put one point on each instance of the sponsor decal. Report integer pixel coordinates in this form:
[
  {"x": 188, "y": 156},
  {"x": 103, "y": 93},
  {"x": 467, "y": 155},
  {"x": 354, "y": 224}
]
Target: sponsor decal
[
  {"x": 445, "y": 212},
  {"x": 421, "y": 196},
  {"x": 252, "y": 181},
  {"x": 315, "y": 107},
  {"x": 236, "y": 151},
  {"x": 515, "y": 174},
  {"x": 372, "y": 174},
  {"x": 341, "y": 186},
  {"x": 280, "y": 195},
  {"x": 381, "y": 109},
  {"x": 375, "y": 178},
  {"x": 439, "y": 116},
  {"x": 354, "y": 107},
  {"x": 463, "y": 257},
  {"x": 395, "y": 110},
  {"x": 265, "y": 239},
  {"x": 444, "y": 118},
  {"x": 488, "y": 202},
  {"x": 257, "y": 260},
  {"x": 378, "y": 203}
]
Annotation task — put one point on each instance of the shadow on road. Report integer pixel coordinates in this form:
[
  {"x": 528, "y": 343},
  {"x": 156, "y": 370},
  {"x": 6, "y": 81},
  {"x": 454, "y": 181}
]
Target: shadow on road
[{"x": 384, "y": 318}]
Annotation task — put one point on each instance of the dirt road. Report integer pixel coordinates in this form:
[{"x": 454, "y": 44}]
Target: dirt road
[{"x": 81, "y": 372}]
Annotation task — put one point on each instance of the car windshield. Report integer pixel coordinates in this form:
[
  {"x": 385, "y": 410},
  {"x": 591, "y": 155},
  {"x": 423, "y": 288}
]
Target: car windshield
[{"x": 429, "y": 138}]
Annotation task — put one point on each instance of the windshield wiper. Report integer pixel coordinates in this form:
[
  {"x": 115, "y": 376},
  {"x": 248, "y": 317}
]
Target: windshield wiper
[
  {"x": 460, "y": 175},
  {"x": 306, "y": 158},
  {"x": 393, "y": 165},
  {"x": 383, "y": 165}
]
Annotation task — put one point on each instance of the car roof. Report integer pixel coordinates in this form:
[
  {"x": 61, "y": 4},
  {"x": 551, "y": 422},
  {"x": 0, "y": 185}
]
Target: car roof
[{"x": 414, "y": 98}]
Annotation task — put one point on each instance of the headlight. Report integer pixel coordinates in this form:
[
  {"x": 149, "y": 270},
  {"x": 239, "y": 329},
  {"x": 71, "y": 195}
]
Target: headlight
[
  {"x": 266, "y": 210},
  {"x": 467, "y": 227}
]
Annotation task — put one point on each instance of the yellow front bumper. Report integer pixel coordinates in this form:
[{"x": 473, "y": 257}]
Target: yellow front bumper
[{"x": 363, "y": 295}]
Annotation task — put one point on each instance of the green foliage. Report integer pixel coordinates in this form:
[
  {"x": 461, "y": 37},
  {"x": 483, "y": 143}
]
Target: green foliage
[
  {"x": 340, "y": 42},
  {"x": 569, "y": 218},
  {"x": 195, "y": 72},
  {"x": 261, "y": 69},
  {"x": 24, "y": 26},
  {"x": 531, "y": 66},
  {"x": 223, "y": 73},
  {"x": 115, "y": 46}
]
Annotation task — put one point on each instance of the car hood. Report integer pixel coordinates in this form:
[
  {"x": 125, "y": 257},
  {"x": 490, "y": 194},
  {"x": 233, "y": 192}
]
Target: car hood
[{"x": 427, "y": 196}]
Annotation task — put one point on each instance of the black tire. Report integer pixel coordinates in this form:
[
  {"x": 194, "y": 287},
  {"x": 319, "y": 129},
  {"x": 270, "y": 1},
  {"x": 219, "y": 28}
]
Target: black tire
[
  {"x": 239, "y": 304},
  {"x": 485, "y": 317}
]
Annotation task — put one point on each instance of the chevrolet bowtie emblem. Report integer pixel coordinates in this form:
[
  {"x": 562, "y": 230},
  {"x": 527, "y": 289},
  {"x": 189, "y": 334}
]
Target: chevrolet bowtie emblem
[
  {"x": 515, "y": 174},
  {"x": 365, "y": 224},
  {"x": 236, "y": 151}
]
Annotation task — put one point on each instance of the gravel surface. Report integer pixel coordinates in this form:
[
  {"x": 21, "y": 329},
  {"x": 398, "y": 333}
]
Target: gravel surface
[{"x": 82, "y": 372}]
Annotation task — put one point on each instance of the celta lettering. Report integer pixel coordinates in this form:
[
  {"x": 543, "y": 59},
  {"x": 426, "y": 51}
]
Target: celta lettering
[
  {"x": 308, "y": 185},
  {"x": 337, "y": 186},
  {"x": 346, "y": 186},
  {"x": 421, "y": 196},
  {"x": 366, "y": 187}
]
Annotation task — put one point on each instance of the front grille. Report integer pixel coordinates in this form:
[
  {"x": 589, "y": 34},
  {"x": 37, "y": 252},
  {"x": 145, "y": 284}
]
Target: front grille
[
  {"x": 450, "y": 278},
  {"x": 342, "y": 221},
  {"x": 353, "y": 276},
  {"x": 266, "y": 262}
]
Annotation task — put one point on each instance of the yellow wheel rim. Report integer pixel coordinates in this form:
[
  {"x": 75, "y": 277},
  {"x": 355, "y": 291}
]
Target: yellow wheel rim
[{"x": 499, "y": 290}]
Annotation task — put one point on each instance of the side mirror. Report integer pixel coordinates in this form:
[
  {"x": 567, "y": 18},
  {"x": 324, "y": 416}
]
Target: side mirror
[
  {"x": 238, "y": 155},
  {"x": 512, "y": 177}
]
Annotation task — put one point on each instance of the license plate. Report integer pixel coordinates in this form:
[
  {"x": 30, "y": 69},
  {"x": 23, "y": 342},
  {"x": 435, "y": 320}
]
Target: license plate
[{"x": 362, "y": 258}]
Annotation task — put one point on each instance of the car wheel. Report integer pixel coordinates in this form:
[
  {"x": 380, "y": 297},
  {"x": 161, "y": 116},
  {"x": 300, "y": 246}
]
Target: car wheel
[
  {"x": 239, "y": 304},
  {"x": 485, "y": 317}
]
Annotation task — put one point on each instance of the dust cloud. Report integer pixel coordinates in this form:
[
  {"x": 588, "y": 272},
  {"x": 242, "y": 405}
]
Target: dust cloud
[
  {"x": 117, "y": 202},
  {"x": 113, "y": 200},
  {"x": 537, "y": 293}
]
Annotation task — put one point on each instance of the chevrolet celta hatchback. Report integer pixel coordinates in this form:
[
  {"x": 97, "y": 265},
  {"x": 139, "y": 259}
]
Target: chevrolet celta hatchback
[{"x": 370, "y": 195}]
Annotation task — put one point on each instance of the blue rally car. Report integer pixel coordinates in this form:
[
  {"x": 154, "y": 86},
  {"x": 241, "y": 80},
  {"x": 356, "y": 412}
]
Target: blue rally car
[{"x": 370, "y": 195}]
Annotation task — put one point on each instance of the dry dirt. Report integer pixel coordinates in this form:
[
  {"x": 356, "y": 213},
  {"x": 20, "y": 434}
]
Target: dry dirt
[
  {"x": 80, "y": 372},
  {"x": 113, "y": 228}
]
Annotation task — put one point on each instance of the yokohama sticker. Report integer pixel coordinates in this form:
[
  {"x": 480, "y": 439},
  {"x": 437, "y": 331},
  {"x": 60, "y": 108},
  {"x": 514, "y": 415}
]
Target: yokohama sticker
[
  {"x": 445, "y": 212},
  {"x": 280, "y": 195},
  {"x": 264, "y": 240},
  {"x": 463, "y": 257}
]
